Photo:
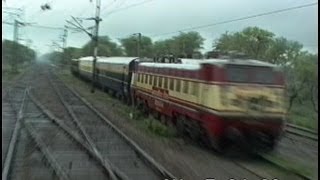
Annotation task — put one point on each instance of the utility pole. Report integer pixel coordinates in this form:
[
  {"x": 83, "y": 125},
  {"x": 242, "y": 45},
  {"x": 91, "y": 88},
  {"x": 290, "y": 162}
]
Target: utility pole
[
  {"x": 15, "y": 31},
  {"x": 96, "y": 43},
  {"x": 64, "y": 38},
  {"x": 64, "y": 44},
  {"x": 15, "y": 45},
  {"x": 132, "y": 114},
  {"x": 94, "y": 37},
  {"x": 138, "y": 44}
]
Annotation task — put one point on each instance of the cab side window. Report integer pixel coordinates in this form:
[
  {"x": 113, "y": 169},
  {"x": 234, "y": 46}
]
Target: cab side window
[
  {"x": 178, "y": 85},
  {"x": 171, "y": 84},
  {"x": 185, "y": 87}
]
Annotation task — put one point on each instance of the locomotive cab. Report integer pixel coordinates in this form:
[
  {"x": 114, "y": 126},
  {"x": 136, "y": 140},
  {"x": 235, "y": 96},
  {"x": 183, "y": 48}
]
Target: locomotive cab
[{"x": 248, "y": 96}]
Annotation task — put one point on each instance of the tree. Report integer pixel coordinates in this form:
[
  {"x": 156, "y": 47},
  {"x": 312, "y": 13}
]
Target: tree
[
  {"x": 183, "y": 45},
  {"x": 130, "y": 45},
  {"x": 252, "y": 41},
  {"x": 15, "y": 54},
  {"x": 187, "y": 43},
  {"x": 55, "y": 57},
  {"x": 282, "y": 51},
  {"x": 70, "y": 53},
  {"x": 302, "y": 82},
  {"x": 163, "y": 47},
  {"x": 106, "y": 48}
]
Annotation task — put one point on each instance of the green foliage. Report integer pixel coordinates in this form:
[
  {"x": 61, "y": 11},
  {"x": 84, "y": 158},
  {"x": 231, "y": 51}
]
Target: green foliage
[
  {"x": 70, "y": 53},
  {"x": 15, "y": 54},
  {"x": 163, "y": 47},
  {"x": 290, "y": 165},
  {"x": 156, "y": 127},
  {"x": 252, "y": 41},
  {"x": 130, "y": 46},
  {"x": 184, "y": 45},
  {"x": 106, "y": 48}
]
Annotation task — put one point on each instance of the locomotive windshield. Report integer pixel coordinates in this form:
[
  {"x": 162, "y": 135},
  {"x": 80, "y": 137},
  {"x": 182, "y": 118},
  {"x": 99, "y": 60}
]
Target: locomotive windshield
[{"x": 250, "y": 74}]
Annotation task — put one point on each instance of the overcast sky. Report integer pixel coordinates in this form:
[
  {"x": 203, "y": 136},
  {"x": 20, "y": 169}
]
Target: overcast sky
[{"x": 153, "y": 17}]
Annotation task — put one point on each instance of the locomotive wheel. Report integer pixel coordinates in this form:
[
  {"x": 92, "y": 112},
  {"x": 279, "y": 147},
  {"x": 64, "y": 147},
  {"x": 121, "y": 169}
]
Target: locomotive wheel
[
  {"x": 170, "y": 123},
  {"x": 163, "y": 119},
  {"x": 144, "y": 109},
  {"x": 181, "y": 126},
  {"x": 217, "y": 144},
  {"x": 270, "y": 144},
  {"x": 156, "y": 114}
]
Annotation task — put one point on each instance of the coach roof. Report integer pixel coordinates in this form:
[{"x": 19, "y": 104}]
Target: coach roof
[
  {"x": 111, "y": 60},
  {"x": 248, "y": 62},
  {"x": 171, "y": 65}
]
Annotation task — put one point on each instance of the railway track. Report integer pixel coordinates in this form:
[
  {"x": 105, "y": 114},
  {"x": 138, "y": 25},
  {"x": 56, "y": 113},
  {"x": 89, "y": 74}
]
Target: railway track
[
  {"x": 301, "y": 132},
  {"x": 67, "y": 153},
  {"x": 125, "y": 159},
  {"x": 21, "y": 158},
  {"x": 36, "y": 137},
  {"x": 37, "y": 146}
]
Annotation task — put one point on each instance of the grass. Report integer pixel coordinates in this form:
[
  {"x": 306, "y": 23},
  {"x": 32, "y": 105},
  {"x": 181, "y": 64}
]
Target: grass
[
  {"x": 290, "y": 165},
  {"x": 147, "y": 124},
  {"x": 303, "y": 115},
  {"x": 9, "y": 75},
  {"x": 153, "y": 126}
]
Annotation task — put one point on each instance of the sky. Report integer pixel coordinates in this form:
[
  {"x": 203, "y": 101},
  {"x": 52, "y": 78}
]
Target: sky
[{"x": 121, "y": 18}]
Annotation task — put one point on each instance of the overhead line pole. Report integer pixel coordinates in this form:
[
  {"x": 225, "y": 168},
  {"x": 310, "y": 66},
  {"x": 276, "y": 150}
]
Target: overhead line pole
[
  {"x": 96, "y": 43},
  {"x": 138, "y": 43},
  {"x": 64, "y": 43}
]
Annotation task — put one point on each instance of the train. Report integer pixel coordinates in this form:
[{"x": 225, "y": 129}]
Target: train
[{"x": 222, "y": 102}]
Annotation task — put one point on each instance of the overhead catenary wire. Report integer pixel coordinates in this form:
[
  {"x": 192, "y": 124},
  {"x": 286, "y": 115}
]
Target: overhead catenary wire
[
  {"x": 108, "y": 6},
  {"x": 127, "y": 7},
  {"x": 37, "y": 26},
  {"x": 239, "y": 19}
]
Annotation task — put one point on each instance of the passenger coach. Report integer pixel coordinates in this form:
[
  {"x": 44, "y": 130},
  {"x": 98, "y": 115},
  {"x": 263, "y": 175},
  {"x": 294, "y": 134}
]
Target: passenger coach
[{"x": 113, "y": 73}]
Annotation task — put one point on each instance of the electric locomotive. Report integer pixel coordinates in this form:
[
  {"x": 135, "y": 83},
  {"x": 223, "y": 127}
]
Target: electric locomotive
[{"x": 220, "y": 101}]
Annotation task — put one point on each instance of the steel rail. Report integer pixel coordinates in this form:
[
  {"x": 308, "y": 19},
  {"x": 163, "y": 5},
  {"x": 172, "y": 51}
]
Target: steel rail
[
  {"x": 88, "y": 139},
  {"x": 75, "y": 136},
  {"x": 13, "y": 141}
]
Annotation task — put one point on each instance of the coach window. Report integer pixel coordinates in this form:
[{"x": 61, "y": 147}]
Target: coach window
[
  {"x": 150, "y": 79},
  {"x": 146, "y": 79},
  {"x": 160, "y": 81},
  {"x": 171, "y": 84},
  {"x": 139, "y": 76},
  {"x": 165, "y": 86},
  {"x": 185, "y": 87},
  {"x": 178, "y": 85},
  {"x": 142, "y": 77}
]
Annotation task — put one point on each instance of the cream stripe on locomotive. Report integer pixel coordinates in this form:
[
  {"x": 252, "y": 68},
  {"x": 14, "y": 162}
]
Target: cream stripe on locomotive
[{"x": 231, "y": 98}]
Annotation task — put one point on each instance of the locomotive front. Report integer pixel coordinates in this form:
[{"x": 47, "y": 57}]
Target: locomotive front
[{"x": 251, "y": 107}]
